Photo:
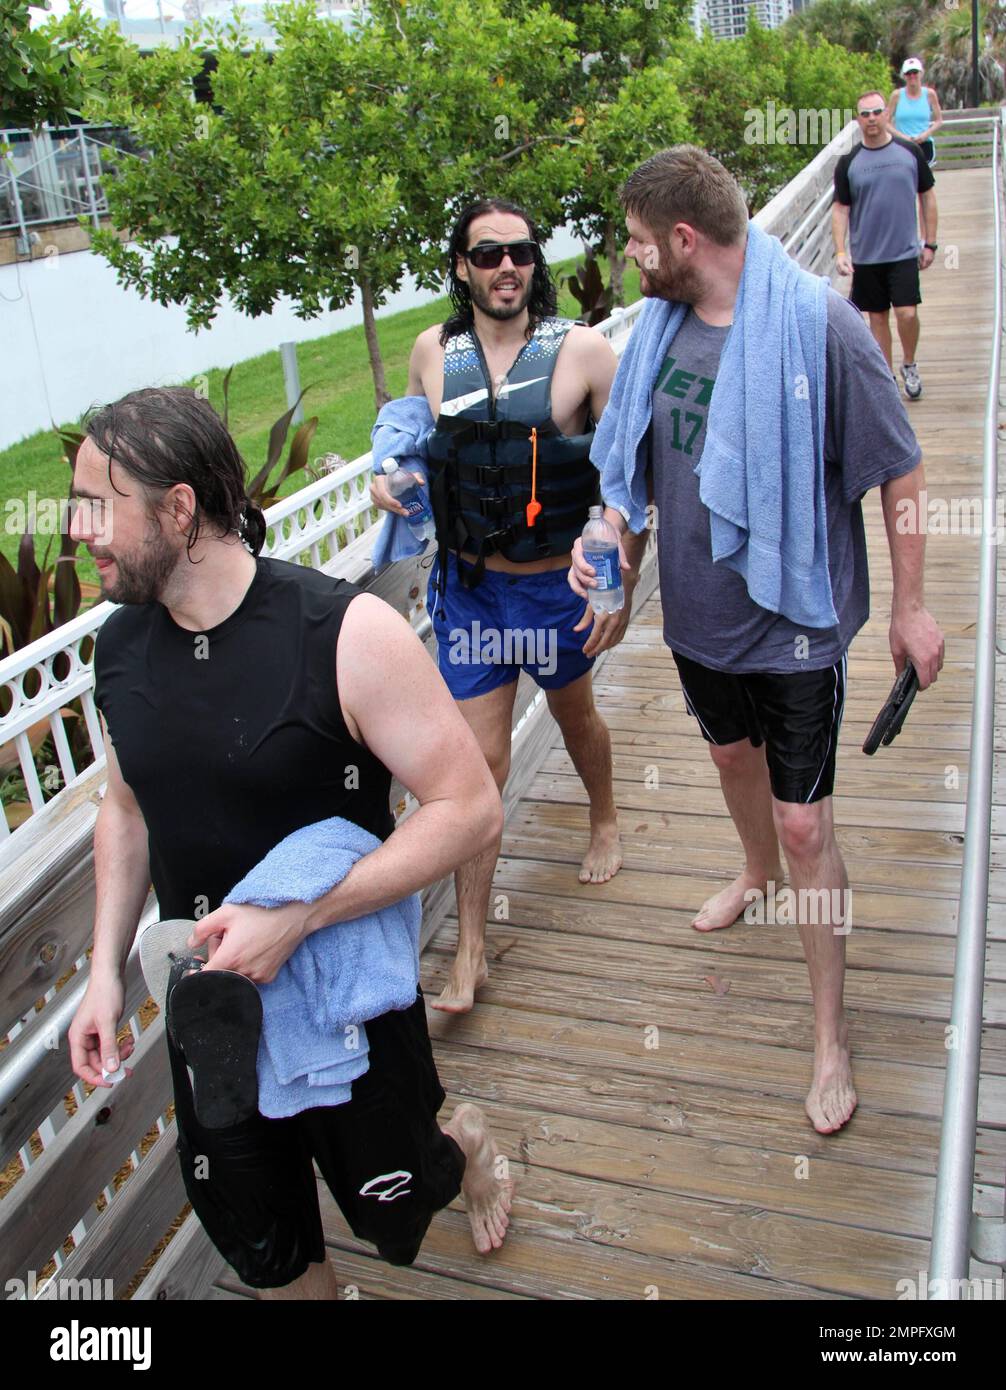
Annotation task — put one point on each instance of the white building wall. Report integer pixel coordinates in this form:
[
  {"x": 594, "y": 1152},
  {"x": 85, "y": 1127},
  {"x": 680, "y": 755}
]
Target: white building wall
[{"x": 72, "y": 337}]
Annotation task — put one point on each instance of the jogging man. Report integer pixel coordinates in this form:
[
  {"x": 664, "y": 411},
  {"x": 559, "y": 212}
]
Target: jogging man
[
  {"x": 502, "y": 366},
  {"x": 877, "y": 186},
  {"x": 766, "y": 692},
  {"x": 244, "y": 698}
]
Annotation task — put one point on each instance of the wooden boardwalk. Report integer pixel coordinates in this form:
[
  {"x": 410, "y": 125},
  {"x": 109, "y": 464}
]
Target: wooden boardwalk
[{"x": 688, "y": 1169}]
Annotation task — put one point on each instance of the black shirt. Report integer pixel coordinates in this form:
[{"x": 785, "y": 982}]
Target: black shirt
[{"x": 233, "y": 738}]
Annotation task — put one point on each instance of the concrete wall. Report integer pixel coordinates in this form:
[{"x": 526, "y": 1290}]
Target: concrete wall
[{"x": 71, "y": 337}]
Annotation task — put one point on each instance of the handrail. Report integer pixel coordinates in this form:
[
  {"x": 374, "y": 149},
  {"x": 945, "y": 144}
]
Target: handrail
[{"x": 952, "y": 1213}]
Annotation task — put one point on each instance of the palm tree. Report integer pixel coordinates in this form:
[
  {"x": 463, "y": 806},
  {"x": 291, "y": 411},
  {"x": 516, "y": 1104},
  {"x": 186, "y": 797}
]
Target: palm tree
[{"x": 944, "y": 43}]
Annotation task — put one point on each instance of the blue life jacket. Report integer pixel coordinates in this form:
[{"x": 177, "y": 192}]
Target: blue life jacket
[{"x": 480, "y": 457}]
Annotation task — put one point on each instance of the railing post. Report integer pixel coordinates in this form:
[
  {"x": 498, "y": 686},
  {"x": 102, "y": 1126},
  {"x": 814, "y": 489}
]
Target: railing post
[
  {"x": 291, "y": 380},
  {"x": 89, "y": 184},
  {"x": 24, "y": 246},
  {"x": 953, "y": 1228}
]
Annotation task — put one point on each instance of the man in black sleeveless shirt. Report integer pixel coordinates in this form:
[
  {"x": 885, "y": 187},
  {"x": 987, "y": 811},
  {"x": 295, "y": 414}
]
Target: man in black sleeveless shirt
[{"x": 243, "y": 698}]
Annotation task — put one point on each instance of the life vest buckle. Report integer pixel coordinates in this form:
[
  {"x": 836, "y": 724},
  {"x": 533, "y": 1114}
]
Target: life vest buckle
[{"x": 495, "y": 508}]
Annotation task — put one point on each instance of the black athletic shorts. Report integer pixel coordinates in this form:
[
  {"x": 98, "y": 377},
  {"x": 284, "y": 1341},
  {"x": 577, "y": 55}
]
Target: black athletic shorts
[
  {"x": 876, "y": 287},
  {"x": 797, "y": 716},
  {"x": 384, "y": 1157}
]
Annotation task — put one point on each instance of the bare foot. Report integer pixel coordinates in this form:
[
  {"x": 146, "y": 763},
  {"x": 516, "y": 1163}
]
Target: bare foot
[
  {"x": 604, "y": 853},
  {"x": 487, "y": 1188},
  {"x": 723, "y": 909},
  {"x": 832, "y": 1096},
  {"x": 468, "y": 973}
]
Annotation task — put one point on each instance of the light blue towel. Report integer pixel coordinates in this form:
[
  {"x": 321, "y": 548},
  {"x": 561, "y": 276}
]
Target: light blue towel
[
  {"x": 313, "y": 1041},
  {"x": 761, "y": 473},
  {"x": 400, "y": 432}
]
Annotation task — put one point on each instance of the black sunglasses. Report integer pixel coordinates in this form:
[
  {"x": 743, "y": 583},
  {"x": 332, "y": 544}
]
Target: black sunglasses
[
  {"x": 873, "y": 111},
  {"x": 489, "y": 256}
]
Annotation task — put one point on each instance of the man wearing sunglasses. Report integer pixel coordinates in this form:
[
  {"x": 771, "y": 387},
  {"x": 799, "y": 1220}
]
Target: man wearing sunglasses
[
  {"x": 514, "y": 391},
  {"x": 876, "y": 188}
]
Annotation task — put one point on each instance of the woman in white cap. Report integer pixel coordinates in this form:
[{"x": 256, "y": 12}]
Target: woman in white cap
[{"x": 914, "y": 110}]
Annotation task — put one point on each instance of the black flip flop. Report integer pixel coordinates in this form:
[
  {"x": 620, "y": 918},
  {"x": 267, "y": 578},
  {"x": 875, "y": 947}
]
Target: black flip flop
[{"x": 215, "y": 1019}]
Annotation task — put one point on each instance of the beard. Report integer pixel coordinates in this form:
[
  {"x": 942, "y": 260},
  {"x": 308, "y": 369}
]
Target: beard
[
  {"x": 670, "y": 281},
  {"x": 140, "y": 575},
  {"x": 483, "y": 300}
]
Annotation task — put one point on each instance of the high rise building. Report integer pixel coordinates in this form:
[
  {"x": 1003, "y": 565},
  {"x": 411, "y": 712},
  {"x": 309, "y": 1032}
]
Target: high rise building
[{"x": 728, "y": 19}]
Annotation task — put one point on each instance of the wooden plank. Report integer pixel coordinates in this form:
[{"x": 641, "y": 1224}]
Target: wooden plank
[
  {"x": 575, "y": 1216},
  {"x": 365, "y": 1277},
  {"x": 61, "y": 1185},
  {"x": 733, "y": 1000},
  {"x": 868, "y": 948},
  {"x": 633, "y": 888},
  {"x": 680, "y": 1165},
  {"x": 553, "y": 831},
  {"x": 130, "y": 1227},
  {"x": 708, "y": 801},
  {"x": 40, "y": 935},
  {"x": 706, "y": 1112},
  {"x": 187, "y": 1270},
  {"x": 52, "y": 1078},
  {"x": 537, "y": 1264},
  {"x": 889, "y": 1087}
]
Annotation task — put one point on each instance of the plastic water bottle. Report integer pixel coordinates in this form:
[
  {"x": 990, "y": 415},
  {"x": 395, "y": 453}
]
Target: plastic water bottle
[
  {"x": 600, "y": 549},
  {"x": 405, "y": 489}
]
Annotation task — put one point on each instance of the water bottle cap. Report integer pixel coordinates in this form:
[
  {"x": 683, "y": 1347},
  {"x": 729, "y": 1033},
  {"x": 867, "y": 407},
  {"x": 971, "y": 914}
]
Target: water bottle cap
[{"x": 390, "y": 465}]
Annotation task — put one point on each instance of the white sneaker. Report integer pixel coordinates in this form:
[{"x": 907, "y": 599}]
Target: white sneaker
[{"x": 913, "y": 382}]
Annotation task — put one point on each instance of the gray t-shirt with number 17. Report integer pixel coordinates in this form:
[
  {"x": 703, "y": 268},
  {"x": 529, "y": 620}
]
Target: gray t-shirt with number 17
[{"x": 708, "y": 613}]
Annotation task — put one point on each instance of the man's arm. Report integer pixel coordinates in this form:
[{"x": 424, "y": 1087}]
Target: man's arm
[
  {"x": 840, "y": 236},
  {"x": 928, "y": 216},
  {"x": 379, "y": 494},
  {"x": 122, "y": 880},
  {"x": 597, "y": 363},
  {"x": 396, "y": 703},
  {"x": 608, "y": 629},
  {"x": 914, "y": 633}
]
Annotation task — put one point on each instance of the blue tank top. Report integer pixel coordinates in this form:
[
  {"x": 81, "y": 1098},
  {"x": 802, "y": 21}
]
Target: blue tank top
[{"x": 912, "y": 116}]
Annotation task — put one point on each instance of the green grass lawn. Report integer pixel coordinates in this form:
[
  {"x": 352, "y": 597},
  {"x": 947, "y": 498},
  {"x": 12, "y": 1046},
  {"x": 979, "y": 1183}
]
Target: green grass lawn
[{"x": 337, "y": 370}]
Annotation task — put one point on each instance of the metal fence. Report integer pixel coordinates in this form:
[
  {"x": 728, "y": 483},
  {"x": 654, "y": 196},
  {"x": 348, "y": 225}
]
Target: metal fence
[{"x": 57, "y": 175}]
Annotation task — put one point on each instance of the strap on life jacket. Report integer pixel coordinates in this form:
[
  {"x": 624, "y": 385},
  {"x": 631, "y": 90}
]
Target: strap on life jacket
[{"x": 483, "y": 524}]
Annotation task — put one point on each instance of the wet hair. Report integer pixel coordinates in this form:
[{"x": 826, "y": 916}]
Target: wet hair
[
  {"x": 543, "y": 301},
  {"x": 685, "y": 184},
  {"x": 162, "y": 436}
]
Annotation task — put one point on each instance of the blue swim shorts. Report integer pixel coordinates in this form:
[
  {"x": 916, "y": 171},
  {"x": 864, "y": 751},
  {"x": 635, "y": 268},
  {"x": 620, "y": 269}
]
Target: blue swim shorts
[{"x": 509, "y": 623}]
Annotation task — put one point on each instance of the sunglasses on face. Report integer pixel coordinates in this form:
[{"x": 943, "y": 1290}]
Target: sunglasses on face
[
  {"x": 490, "y": 255},
  {"x": 873, "y": 111}
]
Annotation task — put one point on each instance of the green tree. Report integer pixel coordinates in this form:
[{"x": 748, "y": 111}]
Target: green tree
[
  {"x": 333, "y": 164},
  {"x": 44, "y": 72},
  {"x": 944, "y": 44},
  {"x": 647, "y": 114},
  {"x": 620, "y": 98},
  {"x": 851, "y": 24},
  {"x": 745, "y": 100}
]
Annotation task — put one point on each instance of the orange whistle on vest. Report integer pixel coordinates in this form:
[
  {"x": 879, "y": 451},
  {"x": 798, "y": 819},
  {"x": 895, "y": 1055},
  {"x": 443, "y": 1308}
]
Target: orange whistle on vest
[{"x": 534, "y": 506}]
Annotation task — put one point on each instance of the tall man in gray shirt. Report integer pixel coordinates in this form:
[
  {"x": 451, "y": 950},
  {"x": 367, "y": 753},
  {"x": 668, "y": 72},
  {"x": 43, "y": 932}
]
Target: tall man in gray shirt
[
  {"x": 767, "y": 695},
  {"x": 876, "y": 187}
]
